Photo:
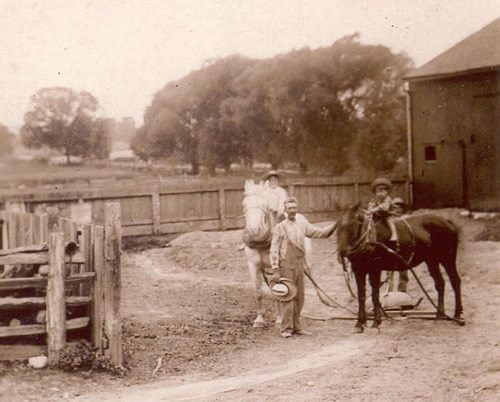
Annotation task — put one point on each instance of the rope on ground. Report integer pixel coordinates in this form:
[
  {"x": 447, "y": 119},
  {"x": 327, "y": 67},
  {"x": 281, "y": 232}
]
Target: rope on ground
[{"x": 323, "y": 296}]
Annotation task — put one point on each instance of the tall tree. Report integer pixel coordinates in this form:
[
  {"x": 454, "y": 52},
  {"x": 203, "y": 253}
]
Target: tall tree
[
  {"x": 67, "y": 121},
  {"x": 6, "y": 141}
]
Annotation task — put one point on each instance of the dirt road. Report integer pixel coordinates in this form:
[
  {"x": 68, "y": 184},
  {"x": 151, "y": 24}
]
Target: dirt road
[{"x": 189, "y": 306}]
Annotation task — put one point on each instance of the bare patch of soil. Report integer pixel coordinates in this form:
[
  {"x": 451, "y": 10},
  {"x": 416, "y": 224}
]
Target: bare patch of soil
[{"x": 189, "y": 306}]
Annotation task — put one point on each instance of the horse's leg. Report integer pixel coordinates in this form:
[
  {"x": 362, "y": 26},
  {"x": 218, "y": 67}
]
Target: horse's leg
[
  {"x": 433, "y": 267},
  {"x": 374, "y": 278},
  {"x": 360, "y": 276},
  {"x": 254, "y": 269},
  {"x": 451, "y": 270}
]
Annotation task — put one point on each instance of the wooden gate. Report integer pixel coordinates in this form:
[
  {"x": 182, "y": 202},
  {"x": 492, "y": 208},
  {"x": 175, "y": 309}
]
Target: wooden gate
[{"x": 61, "y": 280}]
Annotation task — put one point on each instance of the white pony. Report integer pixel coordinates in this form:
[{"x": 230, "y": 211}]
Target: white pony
[{"x": 257, "y": 235}]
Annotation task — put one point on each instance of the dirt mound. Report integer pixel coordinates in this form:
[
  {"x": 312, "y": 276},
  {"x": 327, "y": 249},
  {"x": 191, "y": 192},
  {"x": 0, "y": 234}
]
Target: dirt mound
[{"x": 187, "y": 317}]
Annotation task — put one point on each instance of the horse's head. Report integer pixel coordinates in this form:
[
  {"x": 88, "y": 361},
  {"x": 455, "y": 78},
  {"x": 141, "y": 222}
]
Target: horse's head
[
  {"x": 349, "y": 230},
  {"x": 255, "y": 206}
]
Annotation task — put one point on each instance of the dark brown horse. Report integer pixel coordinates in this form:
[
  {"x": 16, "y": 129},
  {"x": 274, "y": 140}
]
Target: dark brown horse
[{"x": 422, "y": 238}]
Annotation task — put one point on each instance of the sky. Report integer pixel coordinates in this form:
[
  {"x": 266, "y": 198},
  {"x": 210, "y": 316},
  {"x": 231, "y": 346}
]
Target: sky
[{"x": 124, "y": 51}]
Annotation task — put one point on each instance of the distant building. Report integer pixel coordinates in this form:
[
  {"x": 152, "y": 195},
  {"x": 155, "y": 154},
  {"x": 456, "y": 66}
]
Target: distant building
[
  {"x": 454, "y": 125},
  {"x": 121, "y": 131}
]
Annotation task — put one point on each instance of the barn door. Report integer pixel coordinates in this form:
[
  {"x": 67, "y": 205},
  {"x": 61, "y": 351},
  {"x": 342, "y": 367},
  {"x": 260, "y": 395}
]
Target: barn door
[{"x": 442, "y": 179}]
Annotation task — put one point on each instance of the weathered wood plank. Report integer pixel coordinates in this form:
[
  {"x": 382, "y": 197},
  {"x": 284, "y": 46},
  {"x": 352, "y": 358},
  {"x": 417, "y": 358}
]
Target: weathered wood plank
[
  {"x": 22, "y": 330},
  {"x": 21, "y": 352},
  {"x": 25, "y": 258},
  {"x": 39, "y": 258},
  {"x": 112, "y": 282},
  {"x": 222, "y": 209},
  {"x": 17, "y": 302},
  {"x": 25, "y": 249},
  {"x": 56, "y": 307},
  {"x": 156, "y": 210},
  {"x": 97, "y": 315},
  {"x": 41, "y": 282}
]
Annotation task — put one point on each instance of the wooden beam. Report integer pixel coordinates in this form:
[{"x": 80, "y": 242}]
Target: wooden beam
[
  {"x": 39, "y": 258},
  {"x": 96, "y": 315},
  {"x": 112, "y": 281},
  {"x": 56, "y": 307},
  {"x": 38, "y": 329},
  {"x": 25, "y": 249},
  {"x": 156, "y": 210},
  {"x": 21, "y": 352},
  {"x": 41, "y": 282},
  {"x": 16, "y": 302},
  {"x": 222, "y": 209}
]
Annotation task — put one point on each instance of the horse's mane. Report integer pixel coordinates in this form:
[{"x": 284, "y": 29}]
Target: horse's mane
[{"x": 252, "y": 188}]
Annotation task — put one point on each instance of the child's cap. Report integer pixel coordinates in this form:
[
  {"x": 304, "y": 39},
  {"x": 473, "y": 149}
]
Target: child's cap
[{"x": 381, "y": 181}]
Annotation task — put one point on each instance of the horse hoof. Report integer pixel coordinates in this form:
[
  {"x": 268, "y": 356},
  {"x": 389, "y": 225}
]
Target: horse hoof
[
  {"x": 459, "y": 321},
  {"x": 358, "y": 330},
  {"x": 259, "y": 324}
]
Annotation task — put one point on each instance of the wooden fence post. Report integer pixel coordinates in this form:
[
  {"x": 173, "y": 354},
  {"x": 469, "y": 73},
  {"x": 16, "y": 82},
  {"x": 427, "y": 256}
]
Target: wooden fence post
[
  {"x": 356, "y": 192},
  {"x": 56, "y": 301},
  {"x": 156, "y": 211},
  {"x": 97, "y": 315},
  {"x": 112, "y": 281},
  {"x": 222, "y": 209}
]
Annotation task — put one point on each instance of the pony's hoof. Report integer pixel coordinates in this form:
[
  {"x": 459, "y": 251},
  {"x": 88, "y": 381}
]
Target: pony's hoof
[
  {"x": 358, "y": 330},
  {"x": 459, "y": 321},
  {"x": 259, "y": 324}
]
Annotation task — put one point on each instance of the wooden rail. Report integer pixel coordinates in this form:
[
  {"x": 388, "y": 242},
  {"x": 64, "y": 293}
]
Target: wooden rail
[
  {"x": 82, "y": 269},
  {"x": 159, "y": 208}
]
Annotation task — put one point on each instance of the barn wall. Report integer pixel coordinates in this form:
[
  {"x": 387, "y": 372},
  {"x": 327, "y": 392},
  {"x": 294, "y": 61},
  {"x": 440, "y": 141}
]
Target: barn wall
[{"x": 458, "y": 119}]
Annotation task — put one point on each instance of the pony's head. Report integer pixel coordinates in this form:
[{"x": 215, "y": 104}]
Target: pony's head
[
  {"x": 255, "y": 207},
  {"x": 349, "y": 231}
]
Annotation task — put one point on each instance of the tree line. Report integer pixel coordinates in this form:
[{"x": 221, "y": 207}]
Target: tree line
[{"x": 331, "y": 108}]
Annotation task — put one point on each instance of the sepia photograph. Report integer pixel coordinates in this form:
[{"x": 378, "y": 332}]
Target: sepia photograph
[{"x": 254, "y": 200}]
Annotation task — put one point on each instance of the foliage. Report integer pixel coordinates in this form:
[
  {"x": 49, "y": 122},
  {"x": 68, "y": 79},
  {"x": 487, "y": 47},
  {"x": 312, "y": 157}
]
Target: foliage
[
  {"x": 82, "y": 355},
  {"x": 66, "y": 121},
  {"x": 6, "y": 141},
  {"x": 332, "y": 108}
]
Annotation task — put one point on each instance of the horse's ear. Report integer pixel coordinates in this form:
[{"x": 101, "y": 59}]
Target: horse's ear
[{"x": 355, "y": 207}]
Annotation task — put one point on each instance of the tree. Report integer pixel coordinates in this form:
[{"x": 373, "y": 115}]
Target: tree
[
  {"x": 6, "y": 141},
  {"x": 67, "y": 121}
]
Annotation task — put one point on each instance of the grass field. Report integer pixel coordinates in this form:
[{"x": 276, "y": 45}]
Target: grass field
[{"x": 20, "y": 174}]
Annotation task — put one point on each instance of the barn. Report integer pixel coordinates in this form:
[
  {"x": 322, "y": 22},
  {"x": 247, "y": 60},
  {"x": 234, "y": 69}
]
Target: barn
[{"x": 454, "y": 125}]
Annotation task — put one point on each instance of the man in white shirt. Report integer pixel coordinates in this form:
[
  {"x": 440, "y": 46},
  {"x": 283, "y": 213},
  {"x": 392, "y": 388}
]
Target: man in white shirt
[{"x": 287, "y": 256}]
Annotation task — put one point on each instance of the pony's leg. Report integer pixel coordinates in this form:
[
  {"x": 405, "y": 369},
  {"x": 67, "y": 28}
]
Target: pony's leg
[
  {"x": 253, "y": 261},
  {"x": 433, "y": 267},
  {"x": 360, "y": 276},
  {"x": 451, "y": 270},
  {"x": 374, "y": 277}
]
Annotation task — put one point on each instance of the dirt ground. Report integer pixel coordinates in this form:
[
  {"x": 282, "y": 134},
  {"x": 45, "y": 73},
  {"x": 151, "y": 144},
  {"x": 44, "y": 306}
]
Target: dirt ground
[{"x": 187, "y": 311}]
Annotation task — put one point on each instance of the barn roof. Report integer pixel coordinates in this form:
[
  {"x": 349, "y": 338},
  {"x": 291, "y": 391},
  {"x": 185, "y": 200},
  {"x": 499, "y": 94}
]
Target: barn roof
[{"x": 478, "y": 52}]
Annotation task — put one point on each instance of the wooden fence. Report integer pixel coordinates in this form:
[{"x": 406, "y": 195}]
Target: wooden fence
[
  {"x": 166, "y": 208},
  {"x": 58, "y": 276}
]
